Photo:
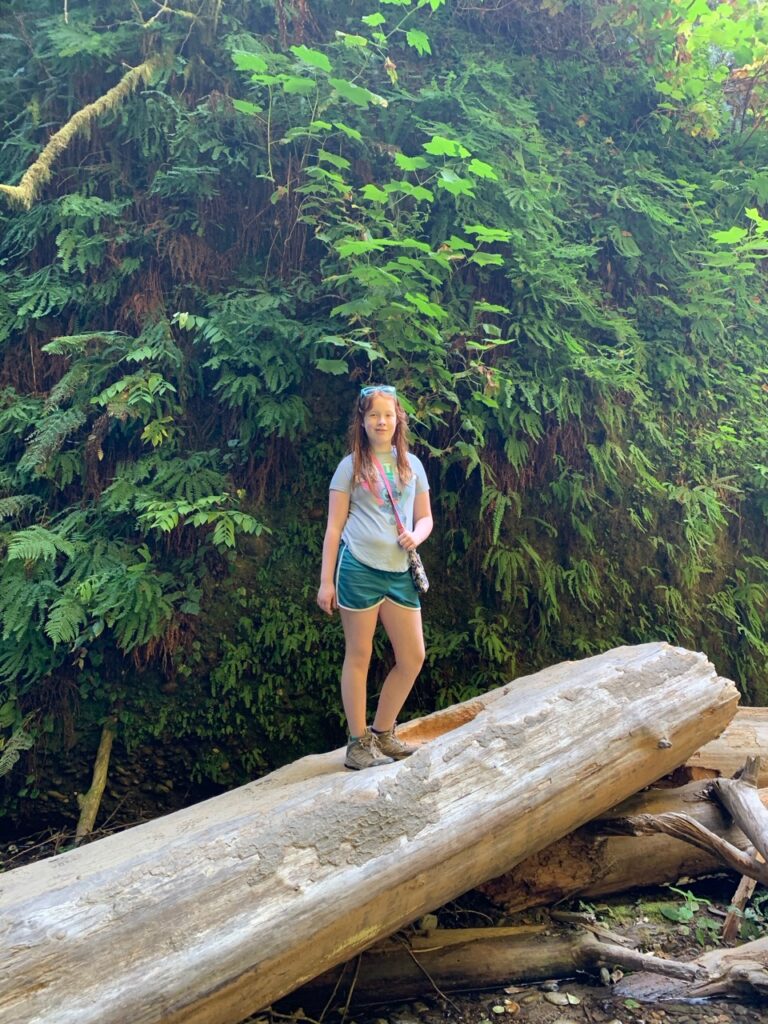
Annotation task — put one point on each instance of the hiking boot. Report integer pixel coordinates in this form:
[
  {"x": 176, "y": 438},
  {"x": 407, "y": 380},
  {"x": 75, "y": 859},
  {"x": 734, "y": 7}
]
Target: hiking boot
[
  {"x": 363, "y": 752},
  {"x": 390, "y": 745}
]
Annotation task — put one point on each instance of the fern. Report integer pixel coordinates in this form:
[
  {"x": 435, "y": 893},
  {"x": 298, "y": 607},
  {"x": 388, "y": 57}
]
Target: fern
[
  {"x": 49, "y": 438},
  {"x": 65, "y": 620},
  {"x": 67, "y": 386},
  {"x": 38, "y": 543},
  {"x": 12, "y": 748},
  {"x": 14, "y": 505}
]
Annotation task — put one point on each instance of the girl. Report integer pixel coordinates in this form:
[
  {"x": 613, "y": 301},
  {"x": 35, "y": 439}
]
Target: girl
[{"x": 365, "y": 569}]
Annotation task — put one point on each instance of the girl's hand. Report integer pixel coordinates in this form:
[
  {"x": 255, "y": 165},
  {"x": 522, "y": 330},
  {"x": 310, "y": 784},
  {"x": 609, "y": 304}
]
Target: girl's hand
[
  {"x": 405, "y": 540},
  {"x": 326, "y": 598}
]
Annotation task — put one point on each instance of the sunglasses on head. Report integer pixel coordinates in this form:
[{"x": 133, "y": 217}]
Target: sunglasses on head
[{"x": 386, "y": 389}]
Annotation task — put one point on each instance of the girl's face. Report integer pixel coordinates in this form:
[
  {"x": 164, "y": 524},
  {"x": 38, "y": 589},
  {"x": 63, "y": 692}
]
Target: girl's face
[{"x": 380, "y": 422}]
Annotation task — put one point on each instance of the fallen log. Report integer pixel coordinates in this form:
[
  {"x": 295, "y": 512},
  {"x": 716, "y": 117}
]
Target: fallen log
[
  {"x": 740, "y": 797},
  {"x": 593, "y": 861},
  {"x": 741, "y": 971},
  {"x": 220, "y": 909},
  {"x": 746, "y": 735},
  {"x": 449, "y": 960}
]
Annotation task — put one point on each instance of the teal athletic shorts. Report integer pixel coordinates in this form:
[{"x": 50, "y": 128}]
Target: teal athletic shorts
[{"x": 360, "y": 587}]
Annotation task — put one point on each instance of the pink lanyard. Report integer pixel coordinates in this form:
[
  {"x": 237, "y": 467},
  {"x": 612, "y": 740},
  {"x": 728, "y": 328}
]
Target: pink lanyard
[{"x": 385, "y": 478}]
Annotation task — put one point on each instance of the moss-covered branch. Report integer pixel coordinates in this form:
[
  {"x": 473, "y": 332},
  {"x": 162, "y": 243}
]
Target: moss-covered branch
[{"x": 28, "y": 189}]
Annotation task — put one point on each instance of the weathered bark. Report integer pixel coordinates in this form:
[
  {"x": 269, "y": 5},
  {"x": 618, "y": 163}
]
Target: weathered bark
[
  {"x": 90, "y": 802},
  {"x": 414, "y": 965},
  {"x": 594, "y": 861},
  {"x": 410, "y": 965},
  {"x": 740, "y": 899},
  {"x": 745, "y": 736},
  {"x": 221, "y": 908},
  {"x": 741, "y": 971},
  {"x": 450, "y": 959},
  {"x": 742, "y": 800}
]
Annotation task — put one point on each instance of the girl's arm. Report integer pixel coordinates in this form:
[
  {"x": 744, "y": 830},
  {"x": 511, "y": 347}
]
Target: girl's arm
[
  {"x": 422, "y": 523},
  {"x": 338, "y": 510}
]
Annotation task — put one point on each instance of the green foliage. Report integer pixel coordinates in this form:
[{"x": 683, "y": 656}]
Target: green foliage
[
  {"x": 690, "y": 918},
  {"x": 551, "y": 259}
]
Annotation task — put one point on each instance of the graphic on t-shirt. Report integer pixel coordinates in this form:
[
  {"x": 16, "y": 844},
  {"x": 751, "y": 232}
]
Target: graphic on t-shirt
[{"x": 382, "y": 498}]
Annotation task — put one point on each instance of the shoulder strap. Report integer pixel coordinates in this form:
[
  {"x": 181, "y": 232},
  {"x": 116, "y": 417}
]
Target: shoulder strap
[{"x": 385, "y": 478}]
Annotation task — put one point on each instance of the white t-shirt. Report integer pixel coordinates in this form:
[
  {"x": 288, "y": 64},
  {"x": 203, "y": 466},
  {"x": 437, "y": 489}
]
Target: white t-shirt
[{"x": 370, "y": 531}]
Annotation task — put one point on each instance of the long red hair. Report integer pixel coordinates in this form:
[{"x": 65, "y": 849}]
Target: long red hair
[{"x": 363, "y": 467}]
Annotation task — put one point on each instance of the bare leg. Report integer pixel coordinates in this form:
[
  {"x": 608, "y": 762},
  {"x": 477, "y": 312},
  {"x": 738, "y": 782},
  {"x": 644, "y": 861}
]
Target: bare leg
[
  {"x": 403, "y": 627},
  {"x": 359, "y": 628}
]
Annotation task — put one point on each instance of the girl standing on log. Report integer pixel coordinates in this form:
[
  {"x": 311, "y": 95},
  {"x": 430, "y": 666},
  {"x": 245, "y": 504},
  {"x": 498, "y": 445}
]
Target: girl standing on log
[{"x": 365, "y": 568}]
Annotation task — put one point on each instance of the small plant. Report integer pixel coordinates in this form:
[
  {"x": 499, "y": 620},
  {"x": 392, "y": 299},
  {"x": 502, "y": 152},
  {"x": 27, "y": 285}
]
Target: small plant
[
  {"x": 690, "y": 918},
  {"x": 754, "y": 918}
]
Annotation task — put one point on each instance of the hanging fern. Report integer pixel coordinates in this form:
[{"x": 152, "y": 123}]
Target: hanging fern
[
  {"x": 12, "y": 748},
  {"x": 37, "y": 543}
]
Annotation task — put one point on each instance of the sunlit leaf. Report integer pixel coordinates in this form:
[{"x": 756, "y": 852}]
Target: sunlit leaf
[
  {"x": 418, "y": 40},
  {"x": 734, "y": 234},
  {"x": 313, "y": 57},
  {"x": 249, "y": 61},
  {"x": 438, "y": 145}
]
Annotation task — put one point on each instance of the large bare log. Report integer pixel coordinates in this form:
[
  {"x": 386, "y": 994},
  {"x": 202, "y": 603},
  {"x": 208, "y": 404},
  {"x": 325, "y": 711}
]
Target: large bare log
[
  {"x": 746, "y": 735},
  {"x": 593, "y": 861},
  {"x": 742, "y": 800},
  {"x": 221, "y": 908}
]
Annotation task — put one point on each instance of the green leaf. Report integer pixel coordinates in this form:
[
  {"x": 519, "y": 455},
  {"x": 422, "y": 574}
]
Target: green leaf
[
  {"x": 354, "y": 93},
  {"x": 335, "y": 366},
  {"x": 482, "y": 169},
  {"x": 294, "y": 85},
  {"x": 373, "y": 19},
  {"x": 754, "y": 215},
  {"x": 454, "y": 184},
  {"x": 487, "y": 259},
  {"x": 723, "y": 259},
  {"x": 358, "y": 246},
  {"x": 352, "y": 40},
  {"x": 454, "y": 242},
  {"x": 486, "y": 234},
  {"x": 313, "y": 57},
  {"x": 438, "y": 145},
  {"x": 245, "y": 61},
  {"x": 334, "y": 159},
  {"x": 734, "y": 234},
  {"x": 353, "y": 133},
  {"x": 422, "y": 303},
  {"x": 415, "y": 191},
  {"x": 489, "y": 307},
  {"x": 375, "y": 194},
  {"x": 410, "y": 163},
  {"x": 246, "y": 107},
  {"x": 418, "y": 40}
]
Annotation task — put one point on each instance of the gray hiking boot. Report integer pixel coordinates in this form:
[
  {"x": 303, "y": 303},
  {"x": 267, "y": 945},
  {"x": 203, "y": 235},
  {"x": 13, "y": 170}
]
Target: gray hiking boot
[
  {"x": 363, "y": 752},
  {"x": 393, "y": 747}
]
